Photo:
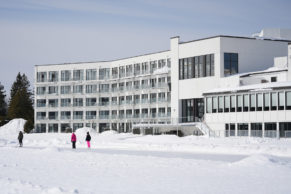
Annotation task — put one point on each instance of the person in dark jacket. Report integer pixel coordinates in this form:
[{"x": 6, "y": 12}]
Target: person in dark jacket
[
  {"x": 20, "y": 138},
  {"x": 73, "y": 140},
  {"x": 88, "y": 139}
]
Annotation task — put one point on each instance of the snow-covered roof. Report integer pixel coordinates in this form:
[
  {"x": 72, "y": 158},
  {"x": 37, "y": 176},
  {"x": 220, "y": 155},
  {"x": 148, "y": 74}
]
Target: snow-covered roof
[
  {"x": 253, "y": 87},
  {"x": 269, "y": 70}
]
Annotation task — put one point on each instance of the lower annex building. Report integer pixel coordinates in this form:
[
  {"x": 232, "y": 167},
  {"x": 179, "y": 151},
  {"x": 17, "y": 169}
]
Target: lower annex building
[{"x": 221, "y": 85}]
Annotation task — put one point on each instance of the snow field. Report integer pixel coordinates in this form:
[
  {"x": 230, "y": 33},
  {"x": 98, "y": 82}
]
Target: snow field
[{"x": 127, "y": 163}]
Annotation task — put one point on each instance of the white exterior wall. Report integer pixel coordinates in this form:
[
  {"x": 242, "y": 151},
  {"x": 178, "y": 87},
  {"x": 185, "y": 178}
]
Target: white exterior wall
[{"x": 253, "y": 55}]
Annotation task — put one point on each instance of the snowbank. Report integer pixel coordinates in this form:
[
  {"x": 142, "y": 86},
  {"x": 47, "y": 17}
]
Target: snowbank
[
  {"x": 13, "y": 127},
  {"x": 82, "y": 132}
]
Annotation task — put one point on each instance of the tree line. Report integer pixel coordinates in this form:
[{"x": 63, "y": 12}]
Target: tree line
[{"x": 20, "y": 103}]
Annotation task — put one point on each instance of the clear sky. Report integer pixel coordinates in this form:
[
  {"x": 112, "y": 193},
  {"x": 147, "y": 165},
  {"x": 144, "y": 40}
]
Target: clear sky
[{"x": 35, "y": 32}]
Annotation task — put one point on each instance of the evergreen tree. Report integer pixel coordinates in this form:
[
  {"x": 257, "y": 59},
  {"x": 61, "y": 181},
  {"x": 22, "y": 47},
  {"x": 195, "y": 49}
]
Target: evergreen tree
[
  {"x": 21, "y": 102},
  {"x": 3, "y": 106},
  {"x": 20, "y": 83}
]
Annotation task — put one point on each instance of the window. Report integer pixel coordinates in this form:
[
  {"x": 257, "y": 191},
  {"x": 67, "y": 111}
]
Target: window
[
  {"x": 239, "y": 103},
  {"x": 144, "y": 68},
  {"x": 90, "y": 114},
  {"x": 53, "y": 102},
  {"x": 246, "y": 102},
  {"x": 161, "y": 63},
  {"x": 226, "y": 104},
  {"x": 153, "y": 66},
  {"x": 288, "y": 100},
  {"x": 53, "y": 89},
  {"x": 53, "y": 115},
  {"x": 214, "y": 104},
  {"x": 91, "y": 89},
  {"x": 232, "y": 103},
  {"x": 253, "y": 102},
  {"x": 104, "y": 73},
  {"x": 128, "y": 70},
  {"x": 220, "y": 104},
  {"x": 212, "y": 64},
  {"x": 281, "y": 101},
  {"x": 194, "y": 67},
  {"x": 41, "y": 76},
  {"x": 181, "y": 69},
  {"x": 230, "y": 63},
  {"x": 114, "y": 72},
  {"x": 273, "y": 79},
  {"x": 78, "y": 102},
  {"x": 201, "y": 66},
  {"x": 53, "y": 76},
  {"x": 121, "y": 72},
  {"x": 65, "y": 102},
  {"x": 40, "y": 115},
  {"x": 271, "y": 130},
  {"x": 40, "y": 90},
  {"x": 209, "y": 104},
  {"x": 274, "y": 101},
  {"x": 41, "y": 103},
  {"x": 231, "y": 129},
  {"x": 65, "y": 89},
  {"x": 266, "y": 101},
  {"x": 91, "y": 74},
  {"x": 242, "y": 129},
  {"x": 259, "y": 102},
  {"x": 137, "y": 69},
  {"x": 78, "y": 89},
  {"x": 65, "y": 115},
  {"x": 65, "y": 75},
  {"x": 104, "y": 88},
  {"x": 91, "y": 101},
  {"x": 78, "y": 115},
  {"x": 256, "y": 130}
]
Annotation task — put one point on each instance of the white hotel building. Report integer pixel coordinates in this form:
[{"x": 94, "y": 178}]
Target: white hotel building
[{"x": 221, "y": 85}]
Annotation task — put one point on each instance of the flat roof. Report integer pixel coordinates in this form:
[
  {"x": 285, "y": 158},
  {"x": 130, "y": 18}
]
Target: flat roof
[{"x": 253, "y": 87}]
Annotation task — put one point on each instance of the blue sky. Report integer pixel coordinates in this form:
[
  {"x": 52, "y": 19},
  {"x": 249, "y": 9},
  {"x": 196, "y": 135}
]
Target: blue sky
[{"x": 57, "y": 31}]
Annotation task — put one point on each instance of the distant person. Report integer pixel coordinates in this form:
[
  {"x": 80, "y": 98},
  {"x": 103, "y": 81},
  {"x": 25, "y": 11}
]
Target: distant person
[
  {"x": 73, "y": 140},
  {"x": 20, "y": 138},
  {"x": 88, "y": 139}
]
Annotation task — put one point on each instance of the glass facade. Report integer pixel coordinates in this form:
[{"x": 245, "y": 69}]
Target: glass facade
[
  {"x": 230, "y": 63},
  {"x": 195, "y": 67}
]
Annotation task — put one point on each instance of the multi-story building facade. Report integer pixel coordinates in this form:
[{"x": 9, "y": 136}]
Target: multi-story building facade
[{"x": 167, "y": 87}]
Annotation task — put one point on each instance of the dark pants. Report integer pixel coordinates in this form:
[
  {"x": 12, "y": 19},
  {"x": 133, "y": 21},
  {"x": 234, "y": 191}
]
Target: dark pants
[
  {"x": 73, "y": 144},
  {"x": 20, "y": 142}
]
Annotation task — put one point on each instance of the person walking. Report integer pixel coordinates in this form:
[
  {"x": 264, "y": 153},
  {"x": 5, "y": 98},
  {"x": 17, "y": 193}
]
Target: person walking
[
  {"x": 88, "y": 139},
  {"x": 73, "y": 140},
  {"x": 20, "y": 138}
]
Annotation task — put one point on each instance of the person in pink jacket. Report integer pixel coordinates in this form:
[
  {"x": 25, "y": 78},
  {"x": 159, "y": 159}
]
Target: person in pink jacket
[{"x": 73, "y": 140}]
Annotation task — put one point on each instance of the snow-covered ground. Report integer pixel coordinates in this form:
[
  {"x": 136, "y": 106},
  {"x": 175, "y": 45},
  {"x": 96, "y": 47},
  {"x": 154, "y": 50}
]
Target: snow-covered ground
[{"x": 127, "y": 163}]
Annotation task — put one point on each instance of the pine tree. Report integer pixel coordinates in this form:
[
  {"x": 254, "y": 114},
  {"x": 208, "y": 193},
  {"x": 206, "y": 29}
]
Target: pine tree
[
  {"x": 21, "y": 102},
  {"x": 3, "y": 106}
]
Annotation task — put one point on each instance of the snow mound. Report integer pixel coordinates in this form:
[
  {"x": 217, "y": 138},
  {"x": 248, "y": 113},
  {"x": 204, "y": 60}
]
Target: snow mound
[
  {"x": 82, "y": 132},
  {"x": 108, "y": 133},
  {"x": 13, "y": 127},
  {"x": 257, "y": 160}
]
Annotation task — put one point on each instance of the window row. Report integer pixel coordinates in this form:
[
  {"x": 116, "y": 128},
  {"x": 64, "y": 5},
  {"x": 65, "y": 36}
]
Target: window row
[
  {"x": 249, "y": 102},
  {"x": 195, "y": 67},
  {"x": 104, "y": 101},
  {"x": 256, "y": 129},
  {"x": 104, "y": 73},
  {"x": 162, "y": 82},
  {"x": 105, "y": 114}
]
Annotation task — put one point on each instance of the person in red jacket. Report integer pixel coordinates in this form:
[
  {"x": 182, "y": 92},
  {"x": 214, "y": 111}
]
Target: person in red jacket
[{"x": 73, "y": 140}]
